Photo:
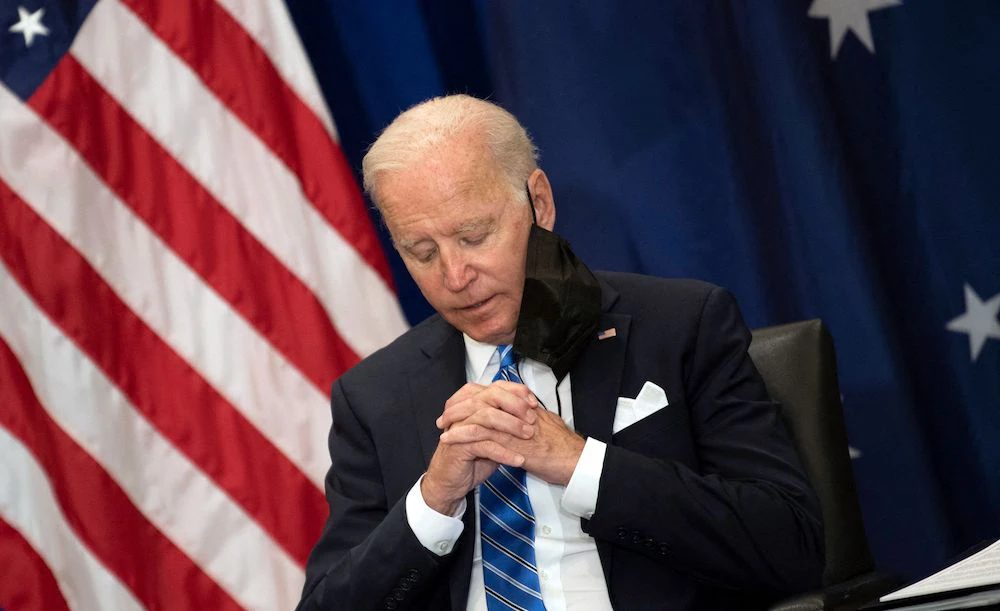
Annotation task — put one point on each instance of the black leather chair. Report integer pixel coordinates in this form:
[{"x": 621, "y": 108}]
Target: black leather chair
[{"x": 799, "y": 367}]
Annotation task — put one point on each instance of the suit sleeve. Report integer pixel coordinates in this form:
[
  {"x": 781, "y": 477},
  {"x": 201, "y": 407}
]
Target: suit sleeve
[
  {"x": 745, "y": 517},
  {"x": 367, "y": 556}
]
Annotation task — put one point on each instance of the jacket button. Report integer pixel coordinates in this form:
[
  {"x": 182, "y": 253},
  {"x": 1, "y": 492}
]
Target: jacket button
[
  {"x": 664, "y": 550},
  {"x": 413, "y": 573},
  {"x": 622, "y": 533},
  {"x": 399, "y": 595},
  {"x": 650, "y": 543},
  {"x": 636, "y": 537}
]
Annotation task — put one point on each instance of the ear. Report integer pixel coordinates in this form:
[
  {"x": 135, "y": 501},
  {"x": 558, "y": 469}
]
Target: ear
[{"x": 541, "y": 197}]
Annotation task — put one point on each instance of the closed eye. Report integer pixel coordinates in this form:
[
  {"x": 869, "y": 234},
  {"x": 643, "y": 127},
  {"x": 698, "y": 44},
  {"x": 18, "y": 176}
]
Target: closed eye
[
  {"x": 422, "y": 255},
  {"x": 473, "y": 240}
]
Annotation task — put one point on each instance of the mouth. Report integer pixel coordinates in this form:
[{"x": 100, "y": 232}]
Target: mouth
[{"x": 476, "y": 306}]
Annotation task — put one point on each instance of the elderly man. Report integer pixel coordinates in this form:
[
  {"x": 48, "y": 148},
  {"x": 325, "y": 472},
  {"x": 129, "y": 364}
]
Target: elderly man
[{"x": 624, "y": 452}]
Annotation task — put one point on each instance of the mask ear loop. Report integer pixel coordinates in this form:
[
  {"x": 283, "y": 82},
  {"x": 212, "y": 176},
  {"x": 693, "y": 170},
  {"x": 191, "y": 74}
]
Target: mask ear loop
[{"x": 531, "y": 203}]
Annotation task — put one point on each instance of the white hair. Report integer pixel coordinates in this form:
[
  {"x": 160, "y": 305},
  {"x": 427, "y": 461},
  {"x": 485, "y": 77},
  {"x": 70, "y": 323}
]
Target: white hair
[{"x": 428, "y": 124}]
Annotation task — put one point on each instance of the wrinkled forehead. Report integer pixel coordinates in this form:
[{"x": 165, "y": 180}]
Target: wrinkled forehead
[
  {"x": 451, "y": 153},
  {"x": 450, "y": 176}
]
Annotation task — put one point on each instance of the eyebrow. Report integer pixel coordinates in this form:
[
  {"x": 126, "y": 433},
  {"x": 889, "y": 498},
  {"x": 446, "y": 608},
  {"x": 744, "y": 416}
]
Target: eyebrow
[{"x": 476, "y": 225}]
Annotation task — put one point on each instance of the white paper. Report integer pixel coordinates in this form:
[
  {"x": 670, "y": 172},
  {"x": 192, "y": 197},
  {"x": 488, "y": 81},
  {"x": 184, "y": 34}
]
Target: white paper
[{"x": 979, "y": 569}]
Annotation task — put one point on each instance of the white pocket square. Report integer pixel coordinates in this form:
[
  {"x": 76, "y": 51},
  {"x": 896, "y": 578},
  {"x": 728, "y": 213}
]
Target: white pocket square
[{"x": 650, "y": 400}]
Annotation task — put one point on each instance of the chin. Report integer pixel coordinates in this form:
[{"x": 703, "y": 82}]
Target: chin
[
  {"x": 489, "y": 331},
  {"x": 491, "y": 336}
]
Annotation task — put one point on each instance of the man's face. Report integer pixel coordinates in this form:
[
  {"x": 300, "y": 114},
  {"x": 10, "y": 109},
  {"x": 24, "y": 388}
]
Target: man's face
[{"x": 462, "y": 236}]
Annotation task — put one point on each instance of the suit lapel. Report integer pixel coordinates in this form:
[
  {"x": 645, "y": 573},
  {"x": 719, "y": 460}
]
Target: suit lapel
[
  {"x": 597, "y": 375},
  {"x": 434, "y": 381}
]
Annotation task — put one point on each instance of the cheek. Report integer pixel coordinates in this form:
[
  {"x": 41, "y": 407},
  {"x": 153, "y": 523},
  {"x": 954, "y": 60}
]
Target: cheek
[
  {"x": 514, "y": 273},
  {"x": 506, "y": 263}
]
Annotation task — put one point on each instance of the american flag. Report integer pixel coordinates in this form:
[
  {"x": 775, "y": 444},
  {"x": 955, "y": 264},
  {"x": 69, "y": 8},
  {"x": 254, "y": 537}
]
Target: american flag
[{"x": 186, "y": 264}]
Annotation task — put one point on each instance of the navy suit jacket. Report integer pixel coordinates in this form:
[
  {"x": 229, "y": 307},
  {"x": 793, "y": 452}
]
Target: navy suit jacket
[{"x": 702, "y": 505}]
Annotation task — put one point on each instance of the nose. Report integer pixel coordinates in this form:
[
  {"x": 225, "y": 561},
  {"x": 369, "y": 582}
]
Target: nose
[{"x": 455, "y": 270}]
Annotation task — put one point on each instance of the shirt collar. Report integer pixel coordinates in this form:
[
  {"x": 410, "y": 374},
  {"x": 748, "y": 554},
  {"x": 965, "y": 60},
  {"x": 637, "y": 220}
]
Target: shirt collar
[{"x": 477, "y": 356}]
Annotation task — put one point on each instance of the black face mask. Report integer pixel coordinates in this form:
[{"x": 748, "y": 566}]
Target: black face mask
[{"x": 561, "y": 303}]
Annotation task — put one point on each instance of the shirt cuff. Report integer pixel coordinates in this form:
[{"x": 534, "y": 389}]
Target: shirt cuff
[
  {"x": 435, "y": 531},
  {"x": 580, "y": 498}
]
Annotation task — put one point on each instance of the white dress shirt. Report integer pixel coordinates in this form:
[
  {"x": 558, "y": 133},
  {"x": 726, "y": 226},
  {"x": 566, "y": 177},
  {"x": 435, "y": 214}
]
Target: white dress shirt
[{"x": 569, "y": 568}]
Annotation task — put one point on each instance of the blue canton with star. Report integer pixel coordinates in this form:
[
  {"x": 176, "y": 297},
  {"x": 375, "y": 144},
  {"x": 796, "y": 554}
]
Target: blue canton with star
[{"x": 34, "y": 36}]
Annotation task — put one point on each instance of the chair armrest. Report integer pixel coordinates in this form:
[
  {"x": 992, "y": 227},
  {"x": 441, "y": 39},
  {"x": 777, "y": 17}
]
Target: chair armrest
[{"x": 843, "y": 596}]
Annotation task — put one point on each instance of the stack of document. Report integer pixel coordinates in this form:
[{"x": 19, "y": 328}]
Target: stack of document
[{"x": 972, "y": 583}]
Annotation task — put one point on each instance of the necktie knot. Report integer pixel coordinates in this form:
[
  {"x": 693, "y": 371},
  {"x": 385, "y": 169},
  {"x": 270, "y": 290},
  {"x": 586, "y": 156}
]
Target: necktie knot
[
  {"x": 508, "y": 364},
  {"x": 507, "y": 357}
]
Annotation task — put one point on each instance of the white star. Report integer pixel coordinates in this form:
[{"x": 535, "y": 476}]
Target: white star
[
  {"x": 979, "y": 321},
  {"x": 847, "y": 15},
  {"x": 29, "y": 25}
]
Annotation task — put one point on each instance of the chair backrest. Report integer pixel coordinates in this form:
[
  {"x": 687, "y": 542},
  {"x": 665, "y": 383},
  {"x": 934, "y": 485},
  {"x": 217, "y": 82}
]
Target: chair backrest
[{"x": 799, "y": 367}]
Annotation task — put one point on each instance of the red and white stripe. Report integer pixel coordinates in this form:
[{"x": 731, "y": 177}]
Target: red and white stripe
[{"x": 186, "y": 265}]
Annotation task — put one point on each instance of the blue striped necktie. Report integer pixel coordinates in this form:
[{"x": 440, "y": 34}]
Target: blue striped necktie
[{"x": 507, "y": 528}]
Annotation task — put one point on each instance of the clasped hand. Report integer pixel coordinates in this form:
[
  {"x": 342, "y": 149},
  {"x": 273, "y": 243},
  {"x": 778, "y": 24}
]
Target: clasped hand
[{"x": 502, "y": 423}]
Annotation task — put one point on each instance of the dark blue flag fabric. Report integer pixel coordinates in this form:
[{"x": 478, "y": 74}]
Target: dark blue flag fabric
[{"x": 822, "y": 158}]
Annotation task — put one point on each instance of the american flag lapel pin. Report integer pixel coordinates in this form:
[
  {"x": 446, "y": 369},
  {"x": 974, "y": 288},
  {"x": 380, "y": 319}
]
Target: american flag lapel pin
[{"x": 605, "y": 334}]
